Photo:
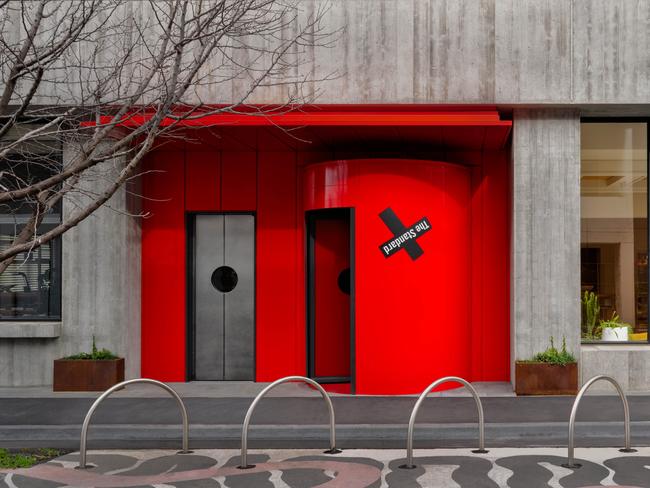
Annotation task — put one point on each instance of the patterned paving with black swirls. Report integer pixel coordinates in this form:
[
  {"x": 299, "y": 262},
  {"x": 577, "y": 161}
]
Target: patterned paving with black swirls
[{"x": 440, "y": 468}]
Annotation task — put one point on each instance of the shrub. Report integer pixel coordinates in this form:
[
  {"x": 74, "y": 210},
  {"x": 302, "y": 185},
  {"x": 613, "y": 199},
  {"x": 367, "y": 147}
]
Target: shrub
[
  {"x": 553, "y": 356},
  {"x": 96, "y": 354}
]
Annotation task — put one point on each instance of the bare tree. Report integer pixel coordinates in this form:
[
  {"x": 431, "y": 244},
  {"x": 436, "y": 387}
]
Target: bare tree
[{"x": 75, "y": 72}]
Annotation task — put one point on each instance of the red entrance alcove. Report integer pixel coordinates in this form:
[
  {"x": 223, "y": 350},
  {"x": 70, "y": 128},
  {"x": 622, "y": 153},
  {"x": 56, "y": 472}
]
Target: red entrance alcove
[
  {"x": 446, "y": 312},
  {"x": 412, "y": 315}
]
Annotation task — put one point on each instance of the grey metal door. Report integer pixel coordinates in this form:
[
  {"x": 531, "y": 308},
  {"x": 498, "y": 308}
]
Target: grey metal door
[{"x": 224, "y": 297}]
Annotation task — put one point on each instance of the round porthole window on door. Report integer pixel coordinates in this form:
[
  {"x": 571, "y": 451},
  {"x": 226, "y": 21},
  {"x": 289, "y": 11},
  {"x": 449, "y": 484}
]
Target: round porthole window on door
[{"x": 224, "y": 279}]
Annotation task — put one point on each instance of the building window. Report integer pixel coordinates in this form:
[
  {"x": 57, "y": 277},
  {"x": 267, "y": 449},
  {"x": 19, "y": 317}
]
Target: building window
[
  {"x": 30, "y": 288},
  {"x": 614, "y": 229}
]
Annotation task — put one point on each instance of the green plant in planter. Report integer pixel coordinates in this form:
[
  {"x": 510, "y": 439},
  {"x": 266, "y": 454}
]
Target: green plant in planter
[
  {"x": 552, "y": 355},
  {"x": 615, "y": 322},
  {"x": 590, "y": 315},
  {"x": 96, "y": 354}
]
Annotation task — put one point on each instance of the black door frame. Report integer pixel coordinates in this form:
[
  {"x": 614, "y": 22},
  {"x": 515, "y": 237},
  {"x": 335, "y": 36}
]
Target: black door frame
[
  {"x": 190, "y": 269},
  {"x": 310, "y": 218}
]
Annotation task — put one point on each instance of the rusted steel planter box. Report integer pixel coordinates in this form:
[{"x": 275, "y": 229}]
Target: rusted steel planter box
[
  {"x": 545, "y": 379},
  {"x": 87, "y": 374}
]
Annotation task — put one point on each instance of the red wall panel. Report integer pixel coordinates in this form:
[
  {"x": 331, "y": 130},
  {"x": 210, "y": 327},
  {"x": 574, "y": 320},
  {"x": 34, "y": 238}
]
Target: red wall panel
[
  {"x": 202, "y": 181},
  {"x": 163, "y": 268},
  {"x": 238, "y": 181},
  {"x": 495, "y": 285},
  {"x": 281, "y": 329}
]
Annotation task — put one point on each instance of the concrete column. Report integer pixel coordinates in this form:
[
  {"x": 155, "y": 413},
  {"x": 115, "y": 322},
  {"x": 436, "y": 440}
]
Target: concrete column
[
  {"x": 546, "y": 231},
  {"x": 101, "y": 272}
]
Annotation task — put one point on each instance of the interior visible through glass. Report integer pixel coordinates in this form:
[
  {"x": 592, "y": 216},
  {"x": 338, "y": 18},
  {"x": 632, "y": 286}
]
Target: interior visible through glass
[
  {"x": 614, "y": 231},
  {"x": 30, "y": 287}
]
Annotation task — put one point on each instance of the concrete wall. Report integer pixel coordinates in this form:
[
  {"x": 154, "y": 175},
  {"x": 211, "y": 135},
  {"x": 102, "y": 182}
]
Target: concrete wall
[
  {"x": 628, "y": 364},
  {"x": 546, "y": 230},
  {"x": 100, "y": 295},
  {"x": 454, "y": 51},
  {"x": 485, "y": 51}
]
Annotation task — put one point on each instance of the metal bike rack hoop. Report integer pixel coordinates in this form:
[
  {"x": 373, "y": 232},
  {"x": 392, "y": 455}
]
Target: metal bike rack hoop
[
  {"x": 479, "y": 406},
  {"x": 244, "y": 432},
  {"x": 103, "y": 396},
  {"x": 571, "y": 464}
]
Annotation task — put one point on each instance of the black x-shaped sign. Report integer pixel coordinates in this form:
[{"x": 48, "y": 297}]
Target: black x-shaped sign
[{"x": 403, "y": 237}]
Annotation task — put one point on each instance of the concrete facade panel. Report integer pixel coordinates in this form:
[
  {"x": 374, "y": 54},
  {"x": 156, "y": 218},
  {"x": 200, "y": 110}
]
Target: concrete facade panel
[
  {"x": 28, "y": 330},
  {"x": 614, "y": 363},
  {"x": 474, "y": 51},
  {"x": 533, "y": 50},
  {"x": 453, "y": 51},
  {"x": 481, "y": 51},
  {"x": 611, "y": 51},
  {"x": 627, "y": 364}
]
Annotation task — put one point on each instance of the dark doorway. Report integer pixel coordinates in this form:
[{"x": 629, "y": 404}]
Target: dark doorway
[
  {"x": 330, "y": 293},
  {"x": 221, "y": 301}
]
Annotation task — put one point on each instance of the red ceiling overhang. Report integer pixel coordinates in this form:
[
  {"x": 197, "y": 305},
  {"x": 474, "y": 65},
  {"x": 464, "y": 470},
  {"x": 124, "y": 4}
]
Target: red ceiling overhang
[
  {"x": 328, "y": 125},
  {"x": 324, "y": 116},
  {"x": 335, "y": 119}
]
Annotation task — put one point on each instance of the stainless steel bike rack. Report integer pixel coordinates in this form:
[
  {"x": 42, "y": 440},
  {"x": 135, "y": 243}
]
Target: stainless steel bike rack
[
  {"x": 119, "y": 386},
  {"x": 479, "y": 406},
  {"x": 247, "y": 420},
  {"x": 571, "y": 464}
]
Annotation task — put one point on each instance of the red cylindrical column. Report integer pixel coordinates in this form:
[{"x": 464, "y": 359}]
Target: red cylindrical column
[{"x": 412, "y": 308}]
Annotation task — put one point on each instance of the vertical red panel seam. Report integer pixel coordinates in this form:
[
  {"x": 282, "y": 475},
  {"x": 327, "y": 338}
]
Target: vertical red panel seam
[
  {"x": 471, "y": 267},
  {"x": 257, "y": 260},
  {"x": 184, "y": 261},
  {"x": 474, "y": 313},
  {"x": 185, "y": 169},
  {"x": 221, "y": 163},
  {"x": 509, "y": 207},
  {"x": 257, "y": 200},
  {"x": 299, "y": 271},
  {"x": 478, "y": 269},
  {"x": 295, "y": 291},
  {"x": 295, "y": 269},
  {"x": 143, "y": 269},
  {"x": 477, "y": 274}
]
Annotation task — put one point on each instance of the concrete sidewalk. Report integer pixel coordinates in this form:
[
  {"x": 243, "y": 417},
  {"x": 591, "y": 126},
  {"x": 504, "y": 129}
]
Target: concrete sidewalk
[
  {"x": 230, "y": 389},
  {"x": 299, "y": 420}
]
